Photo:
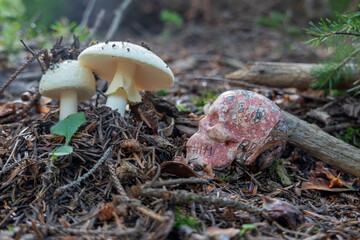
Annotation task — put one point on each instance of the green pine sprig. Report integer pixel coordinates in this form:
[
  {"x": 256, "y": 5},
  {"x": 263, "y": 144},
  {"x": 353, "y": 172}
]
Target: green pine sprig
[{"x": 343, "y": 35}]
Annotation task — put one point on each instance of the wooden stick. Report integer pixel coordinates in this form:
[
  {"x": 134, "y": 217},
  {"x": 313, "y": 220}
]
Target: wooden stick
[
  {"x": 93, "y": 30},
  {"x": 314, "y": 141},
  {"x": 86, "y": 15},
  {"x": 119, "y": 13},
  {"x": 281, "y": 75},
  {"x": 185, "y": 197},
  {"x": 311, "y": 139}
]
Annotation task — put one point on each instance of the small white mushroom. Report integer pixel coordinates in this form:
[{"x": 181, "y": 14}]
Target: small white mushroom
[
  {"x": 130, "y": 68},
  {"x": 70, "y": 83}
]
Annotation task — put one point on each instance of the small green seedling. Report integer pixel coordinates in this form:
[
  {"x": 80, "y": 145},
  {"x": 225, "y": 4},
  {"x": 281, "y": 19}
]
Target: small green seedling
[
  {"x": 170, "y": 20},
  {"x": 162, "y": 92},
  {"x": 181, "y": 108},
  {"x": 181, "y": 220},
  {"x": 351, "y": 135},
  {"x": 203, "y": 99},
  {"x": 246, "y": 227},
  {"x": 67, "y": 128}
]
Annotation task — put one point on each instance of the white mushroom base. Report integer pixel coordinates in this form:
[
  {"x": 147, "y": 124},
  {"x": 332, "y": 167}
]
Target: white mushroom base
[
  {"x": 118, "y": 100},
  {"x": 68, "y": 103}
]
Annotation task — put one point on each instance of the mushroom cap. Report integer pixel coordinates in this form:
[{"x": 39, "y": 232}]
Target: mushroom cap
[
  {"x": 68, "y": 75},
  {"x": 151, "y": 73}
]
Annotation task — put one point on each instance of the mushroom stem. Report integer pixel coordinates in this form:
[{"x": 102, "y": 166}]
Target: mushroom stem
[
  {"x": 122, "y": 87},
  {"x": 117, "y": 100},
  {"x": 68, "y": 103}
]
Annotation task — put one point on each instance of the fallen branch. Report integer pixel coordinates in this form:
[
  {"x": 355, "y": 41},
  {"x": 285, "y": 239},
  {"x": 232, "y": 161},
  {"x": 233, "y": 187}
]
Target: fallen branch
[
  {"x": 311, "y": 139},
  {"x": 115, "y": 179},
  {"x": 119, "y": 13},
  {"x": 86, "y": 15},
  {"x": 108, "y": 154},
  {"x": 185, "y": 197},
  {"x": 83, "y": 232},
  {"x": 19, "y": 70},
  {"x": 178, "y": 181},
  {"x": 281, "y": 75},
  {"x": 99, "y": 18}
]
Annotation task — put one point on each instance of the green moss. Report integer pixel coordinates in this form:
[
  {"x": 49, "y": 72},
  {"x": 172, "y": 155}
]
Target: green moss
[
  {"x": 181, "y": 108},
  {"x": 246, "y": 227},
  {"x": 203, "y": 99},
  {"x": 181, "y": 220},
  {"x": 351, "y": 136},
  {"x": 273, "y": 20},
  {"x": 162, "y": 93}
]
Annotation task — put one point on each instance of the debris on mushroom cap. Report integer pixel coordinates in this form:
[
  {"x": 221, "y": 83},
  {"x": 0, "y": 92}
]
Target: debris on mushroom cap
[
  {"x": 243, "y": 126},
  {"x": 68, "y": 75},
  {"x": 152, "y": 73}
]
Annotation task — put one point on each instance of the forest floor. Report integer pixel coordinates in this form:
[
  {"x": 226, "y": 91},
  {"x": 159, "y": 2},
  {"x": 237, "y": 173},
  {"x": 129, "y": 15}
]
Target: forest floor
[{"x": 121, "y": 181}]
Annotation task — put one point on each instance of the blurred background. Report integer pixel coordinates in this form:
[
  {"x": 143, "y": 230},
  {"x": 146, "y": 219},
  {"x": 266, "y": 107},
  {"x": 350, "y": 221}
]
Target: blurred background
[
  {"x": 244, "y": 30},
  {"x": 226, "y": 22}
]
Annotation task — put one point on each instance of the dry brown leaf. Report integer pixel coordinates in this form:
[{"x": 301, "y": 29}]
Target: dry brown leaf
[
  {"x": 208, "y": 171},
  {"x": 325, "y": 179},
  {"x": 336, "y": 182},
  {"x": 321, "y": 170},
  {"x": 42, "y": 109},
  {"x": 283, "y": 212},
  {"x": 220, "y": 233},
  {"x": 7, "y": 109},
  {"x": 130, "y": 145},
  {"x": 180, "y": 159},
  {"x": 178, "y": 169},
  {"x": 106, "y": 212}
]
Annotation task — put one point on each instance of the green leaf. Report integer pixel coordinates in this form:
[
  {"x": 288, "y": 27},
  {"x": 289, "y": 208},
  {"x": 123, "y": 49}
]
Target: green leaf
[
  {"x": 246, "y": 227},
  {"x": 62, "y": 151},
  {"x": 69, "y": 126}
]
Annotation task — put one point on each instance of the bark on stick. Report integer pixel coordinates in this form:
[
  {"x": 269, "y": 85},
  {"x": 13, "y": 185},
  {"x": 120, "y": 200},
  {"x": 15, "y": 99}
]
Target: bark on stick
[
  {"x": 280, "y": 75},
  {"x": 311, "y": 139}
]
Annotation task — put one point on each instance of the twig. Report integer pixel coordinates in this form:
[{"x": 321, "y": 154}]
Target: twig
[
  {"x": 98, "y": 20},
  {"x": 245, "y": 84},
  {"x": 86, "y": 15},
  {"x": 317, "y": 236},
  {"x": 36, "y": 230},
  {"x": 11, "y": 166},
  {"x": 157, "y": 175},
  {"x": 19, "y": 70},
  {"x": 337, "y": 127},
  {"x": 83, "y": 232},
  {"x": 33, "y": 53},
  {"x": 335, "y": 33},
  {"x": 191, "y": 180},
  {"x": 108, "y": 154},
  {"x": 123, "y": 195},
  {"x": 119, "y": 13},
  {"x": 6, "y": 217},
  {"x": 340, "y": 65},
  {"x": 151, "y": 214},
  {"x": 115, "y": 179},
  {"x": 252, "y": 85},
  {"x": 185, "y": 197},
  {"x": 290, "y": 231}
]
